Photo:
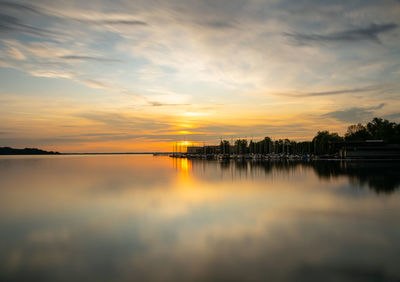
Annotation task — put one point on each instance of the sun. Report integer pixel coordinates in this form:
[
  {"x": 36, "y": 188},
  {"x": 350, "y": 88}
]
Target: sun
[{"x": 185, "y": 143}]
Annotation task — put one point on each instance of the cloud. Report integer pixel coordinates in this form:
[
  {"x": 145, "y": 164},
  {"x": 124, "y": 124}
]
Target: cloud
[
  {"x": 15, "y": 53},
  {"x": 354, "y": 114},
  {"x": 369, "y": 33},
  {"x": 124, "y": 122},
  {"x": 41, "y": 11},
  {"x": 332, "y": 92},
  {"x": 51, "y": 73},
  {"x": 121, "y": 22},
  {"x": 19, "y": 7},
  {"x": 160, "y": 104},
  {"x": 218, "y": 24},
  {"x": 89, "y": 58},
  {"x": 11, "y": 24},
  {"x": 96, "y": 84},
  {"x": 380, "y": 106},
  {"x": 392, "y": 116}
]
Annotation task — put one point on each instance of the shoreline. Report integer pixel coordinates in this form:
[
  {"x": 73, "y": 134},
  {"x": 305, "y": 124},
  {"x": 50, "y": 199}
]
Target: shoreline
[{"x": 273, "y": 157}]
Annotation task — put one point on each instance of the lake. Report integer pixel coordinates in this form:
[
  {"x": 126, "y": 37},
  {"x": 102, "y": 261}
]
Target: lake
[{"x": 144, "y": 218}]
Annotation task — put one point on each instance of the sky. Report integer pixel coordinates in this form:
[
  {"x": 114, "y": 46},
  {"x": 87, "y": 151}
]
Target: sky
[{"x": 137, "y": 76}]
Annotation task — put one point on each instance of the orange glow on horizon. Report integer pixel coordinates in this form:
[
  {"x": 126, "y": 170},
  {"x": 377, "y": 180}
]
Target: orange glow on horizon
[{"x": 109, "y": 131}]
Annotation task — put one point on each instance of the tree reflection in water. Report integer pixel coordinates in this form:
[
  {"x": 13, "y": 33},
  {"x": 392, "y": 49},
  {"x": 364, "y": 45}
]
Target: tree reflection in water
[{"x": 380, "y": 176}]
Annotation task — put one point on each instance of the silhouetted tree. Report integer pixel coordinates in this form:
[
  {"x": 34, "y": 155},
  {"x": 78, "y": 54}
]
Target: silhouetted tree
[
  {"x": 252, "y": 147},
  {"x": 225, "y": 147},
  {"x": 357, "y": 132},
  {"x": 241, "y": 146},
  {"x": 377, "y": 129},
  {"x": 381, "y": 129},
  {"x": 322, "y": 142}
]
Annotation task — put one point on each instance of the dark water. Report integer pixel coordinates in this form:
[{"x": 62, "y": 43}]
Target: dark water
[{"x": 144, "y": 218}]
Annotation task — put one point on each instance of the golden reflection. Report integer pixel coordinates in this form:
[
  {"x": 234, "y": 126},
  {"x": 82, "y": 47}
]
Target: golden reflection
[{"x": 184, "y": 168}]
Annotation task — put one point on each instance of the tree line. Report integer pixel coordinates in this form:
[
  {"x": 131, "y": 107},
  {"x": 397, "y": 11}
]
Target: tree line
[{"x": 323, "y": 142}]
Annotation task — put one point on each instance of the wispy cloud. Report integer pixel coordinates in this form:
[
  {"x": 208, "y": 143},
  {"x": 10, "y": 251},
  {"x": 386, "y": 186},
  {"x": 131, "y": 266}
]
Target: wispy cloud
[
  {"x": 89, "y": 58},
  {"x": 331, "y": 92},
  {"x": 10, "y": 24},
  {"x": 160, "y": 104},
  {"x": 395, "y": 116},
  {"x": 19, "y": 7},
  {"x": 218, "y": 24},
  {"x": 15, "y": 53},
  {"x": 369, "y": 33},
  {"x": 354, "y": 114},
  {"x": 119, "y": 22},
  {"x": 124, "y": 122},
  {"x": 96, "y": 84}
]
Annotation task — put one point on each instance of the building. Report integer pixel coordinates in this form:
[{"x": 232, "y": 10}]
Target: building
[
  {"x": 370, "y": 149},
  {"x": 203, "y": 149},
  {"x": 195, "y": 150}
]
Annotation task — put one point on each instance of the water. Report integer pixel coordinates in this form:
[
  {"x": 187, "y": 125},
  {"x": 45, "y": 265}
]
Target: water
[{"x": 145, "y": 218}]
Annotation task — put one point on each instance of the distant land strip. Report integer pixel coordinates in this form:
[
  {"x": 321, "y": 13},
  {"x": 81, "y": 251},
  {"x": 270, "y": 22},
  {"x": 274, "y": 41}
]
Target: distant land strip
[
  {"x": 123, "y": 153},
  {"x": 35, "y": 151},
  {"x": 25, "y": 151}
]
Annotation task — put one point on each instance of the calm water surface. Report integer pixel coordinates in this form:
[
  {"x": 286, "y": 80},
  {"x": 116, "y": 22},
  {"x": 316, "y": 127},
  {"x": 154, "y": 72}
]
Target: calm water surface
[{"x": 145, "y": 218}]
